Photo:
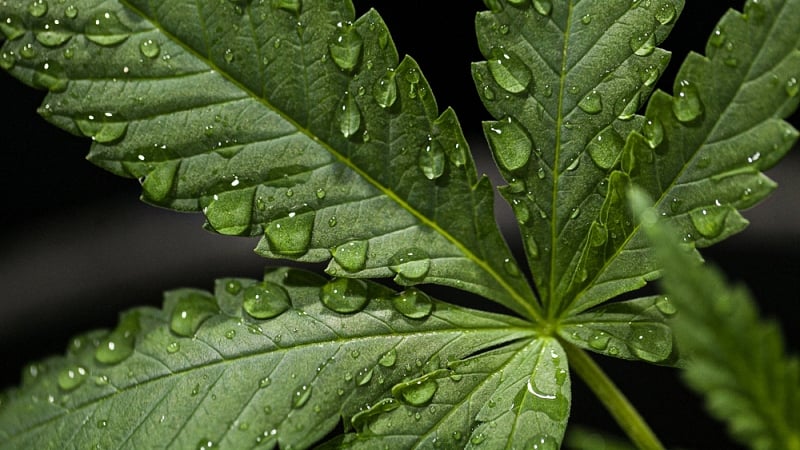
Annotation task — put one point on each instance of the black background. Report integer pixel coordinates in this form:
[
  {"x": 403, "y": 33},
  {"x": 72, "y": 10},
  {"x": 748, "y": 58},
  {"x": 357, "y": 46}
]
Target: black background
[{"x": 77, "y": 246}]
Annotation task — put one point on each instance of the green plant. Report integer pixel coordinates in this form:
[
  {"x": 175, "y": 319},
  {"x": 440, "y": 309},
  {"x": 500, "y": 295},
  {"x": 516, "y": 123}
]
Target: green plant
[{"x": 293, "y": 121}]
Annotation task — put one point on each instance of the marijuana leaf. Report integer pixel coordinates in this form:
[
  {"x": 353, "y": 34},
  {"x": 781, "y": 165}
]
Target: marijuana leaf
[
  {"x": 258, "y": 362},
  {"x": 736, "y": 360},
  {"x": 287, "y": 120}
]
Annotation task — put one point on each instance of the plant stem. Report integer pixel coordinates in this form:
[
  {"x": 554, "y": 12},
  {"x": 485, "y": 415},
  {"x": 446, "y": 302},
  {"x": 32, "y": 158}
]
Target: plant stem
[{"x": 612, "y": 398}]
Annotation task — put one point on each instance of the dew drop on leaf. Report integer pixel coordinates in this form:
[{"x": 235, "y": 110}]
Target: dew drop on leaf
[
  {"x": 418, "y": 392},
  {"x": 71, "y": 11},
  {"x": 709, "y": 222},
  {"x": 71, "y": 377},
  {"x": 511, "y": 144},
  {"x": 605, "y": 148},
  {"x": 292, "y": 6},
  {"x": 38, "y": 8},
  {"x": 106, "y": 29},
  {"x": 173, "y": 347},
  {"x": 717, "y": 38},
  {"x": 28, "y": 51},
  {"x": 346, "y": 46},
  {"x": 190, "y": 311},
  {"x": 118, "y": 345},
  {"x": 290, "y": 236},
  {"x": 431, "y": 160},
  {"x": 53, "y": 34},
  {"x": 389, "y": 358},
  {"x": 344, "y": 295},
  {"x": 52, "y": 76},
  {"x": 626, "y": 109},
  {"x": 665, "y": 12},
  {"x": 233, "y": 287},
  {"x": 385, "y": 89},
  {"x": 511, "y": 268},
  {"x": 301, "y": 396},
  {"x": 591, "y": 103},
  {"x": 542, "y": 442},
  {"x": 364, "y": 376},
  {"x": 413, "y": 303},
  {"x": 348, "y": 115},
  {"x": 653, "y": 132},
  {"x": 643, "y": 44},
  {"x": 686, "y": 104},
  {"x": 352, "y": 255},
  {"x": 599, "y": 340},
  {"x": 792, "y": 87},
  {"x": 666, "y": 306},
  {"x": 586, "y": 19},
  {"x": 104, "y": 128},
  {"x": 543, "y": 7},
  {"x": 265, "y": 300},
  {"x": 13, "y": 27},
  {"x": 149, "y": 48},
  {"x": 7, "y": 60},
  {"x": 410, "y": 265},
  {"x": 509, "y": 71}
]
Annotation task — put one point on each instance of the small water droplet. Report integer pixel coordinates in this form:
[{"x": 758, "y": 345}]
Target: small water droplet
[
  {"x": 509, "y": 71},
  {"x": 190, "y": 311},
  {"x": 413, "y": 303},
  {"x": 233, "y": 287},
  {"x": 574, "y": 163},
  {"x": 592, "y": 103},
  {"x": 586, "y": 19},
  {"x": 605, "y": 148},
  {"x": 119, "y": 344},
  {"x": 643, "y": 44},
  {"x": 205, "y": 444},
  {"x": 7, "y": 60},
  {"x": 348, "y": 115},
  {"x": 364, "y": 376},
  {"x": 71, "y": 11},
  {"x": 511, "y": 268},
  {"x": 106, "y": 29},
  {"x": 385, "y": 89},
  {"x": 792, "y": 87},
  {"x": 543, "y": 7},
  {"x": 28, "y": 51},
  {"x": 653, "y": 132},
  {"x": 291, "y": 236},
  {"x": 410, "y": 265},
  {"x": 665, "y": 12},
  {"x": 104, "y": 128},
  {"x": 344, "y": 295},
  {"x": 301, "y": 396},
  {"x": 717, "y": 38},
  {"x": 389, "y": 358},
  {"x": 352, "y": 256},
  {"x": 173, "y": 347},
  {"x": 626, "y": 109},
  {"x": 666, "y": 306},
  {"x": 149, "y": 48},
  {"x": 686, "y": 104},
  {"x": 38, "y": 8},
  {"x": 72, "y": 377},
  {"x": 511, "y": 144},
  {"x": 599, "y": 340},
  {"x": 417, "y": 392},
  {"x": 710, "y": 221},
  {"x": 53, "y": 34},
  {"x": 431, "y": 160},
  {"x": 230, "y": 334},
  {"x": 346, "y": 47},
  {"x": 574, "y": 213},
  {"x": 52, "y": 76},
  {"x": 265, "y": 300},
  {"x": 13, "y": 27}
]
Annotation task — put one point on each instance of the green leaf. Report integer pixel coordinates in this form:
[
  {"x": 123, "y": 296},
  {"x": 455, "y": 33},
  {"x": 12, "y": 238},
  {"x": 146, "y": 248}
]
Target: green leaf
[
  {"x": 564, "y": 80},
  {"x": 205, "y": 370},
  {"x": 700, "y": 153},
  {"x": 735, "y": 359},
  {"x": 287, "y": 120}
]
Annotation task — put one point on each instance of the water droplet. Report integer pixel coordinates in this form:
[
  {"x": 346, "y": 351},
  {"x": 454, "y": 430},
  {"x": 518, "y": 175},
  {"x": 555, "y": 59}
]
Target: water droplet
[
  {"x": 13, "y": 27},
  {"x": 586, "y": 19},
  {"x": 190, "y": 311},
  {"x": 301, "y": 396},
  {"x": 410, "y": 265},
  {"x": 598, "y": 235},
  {"x": 431, "y": 160},
  {"x": 332, "y": 221},
  {"x": 233, "y": 287},
  {"x": 717, "y": 38},
  {"x": 102, "y": 423},
  {"x": 230, "y": 334},
  {"x": 119, "y": 344},
  {"x": 228, "y": 56},
  {"x": 151, "y": 49},
  {"x": 494, "y": 5},
  {"x": 605, "y": 148},
  {"x": 349, "y": 116},
  {"x": 644, "y": 44},
  {"x": 53, "y": 34},
  {"x": 173, "y": 347},
  {"x": 511, "y": 144},
  {"x": 626, "y": 109},
  {"x": 542, "y": 442},
  {"x": 71, "y": 11},
  {"x": 574, "y": 163},
  {"x": 543, "y": 7},
  {"x": 51, "y": 75},
  {"x": 106, "y": 29},
  {"x": 666, "y": 306},
  {"x": 591, "y": 103},
  {"x": 709, "y": 222},
  {"x": 575, "y": 212},
  {"x": 291, "y": 236},
  {"x": 361, "y": 420},
  {"x": 413, "y": 303},
  {"x": 385, "y": 89},
  {"x": 205, "y": 444},
  {"x": 72, "y": 377},
  {"x": 599, "y": 340},
  {"x": 364, "y": 376},
  {"x": 686, "y": 104},
  {"x": 265, "y": 300},
  {"x": 417, "y": 392},
  {"x": 28, "y": 51},
  {"x": 792, "y": 87},
  {"x": 352, "y": 256},
  {"x": 511, "y": 268},
  {"x": 389, "y": 358},
  {"x": 344, "y": 295},
  {"x": 653, "y": 132},
  {"x": 509, "y": 71},
  {"x": 7, "y": 60},
  {"x": 754, "y": 9},
  {"x": 665, "y": 12},
  {"x": 104, "y": 128},
  {"x": 38, "y": 8},
  {"x": 292, "y": 6},
  {"x": 346, "y": 47}
]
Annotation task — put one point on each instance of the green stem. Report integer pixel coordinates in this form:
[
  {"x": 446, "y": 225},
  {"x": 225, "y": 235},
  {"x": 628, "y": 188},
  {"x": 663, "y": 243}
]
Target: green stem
[{"x": 612, "y": 398}]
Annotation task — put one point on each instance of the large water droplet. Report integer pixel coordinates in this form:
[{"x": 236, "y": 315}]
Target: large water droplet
[
  {"x": 686, "y": 104},
  {"x": 643, "y": 44},
  {"x": 413, "y": 303},
  {"x": 190, "y": 311},
  {"x": 605, "y": 148},
  {"x": 410, "y": 265},
  {"x": 665, "y": 12},
  {"x": 417, "y": 392},
  {"x": 149, "y": 48},
  {"x": 301, "y": 396},
  {"x": 653, "y": 132},
  {"x": 292, "y": 6},
  {"x": 52, "y": 76},
  {"x": 385, "y": 89},
  {"x": 599, "y": 340},
  {"x": 103, "y": 127},
  {"x": 38, "y": 8},
  {"x": 118, "y": 345},
  {"x": 346, "y": 47},
  {"x": 389, "y": 358},
  {"x": 709, "y": 222},
  {"x": 291, "y": 236},
  {"x": 13, "y": 27},
  {"x": 344, "y": 295},
  {"x": 352, "y": 256},
  {"x": 509, "y": 71},
  {"x": 511, "y": 144},
  {"x": 7, "y": 60},
  {"x": 543, "y": 7},
  {"x": 348, "y": 116},
  {"x": 431, "y": 160},
  {"x": 71, "y": 11},
  {"x": 72, "y": 377},
  {"x": 665, "y": 305},
  {"x": 53, "y": 34},
  {"x": 591, "y": 103},
  {"x": 265, "y": 300},
  {"x": 106, "y": 29}
]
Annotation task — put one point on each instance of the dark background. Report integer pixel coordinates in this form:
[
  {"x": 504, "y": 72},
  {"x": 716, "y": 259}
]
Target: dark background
[{"x": 77, "y": 247}]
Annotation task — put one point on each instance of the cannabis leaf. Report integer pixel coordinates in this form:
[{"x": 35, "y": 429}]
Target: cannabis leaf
[
  {"x": 736, "y": 360},
  {"x": 286, "y": 119},
  {"x": 257, "y": 362}
]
